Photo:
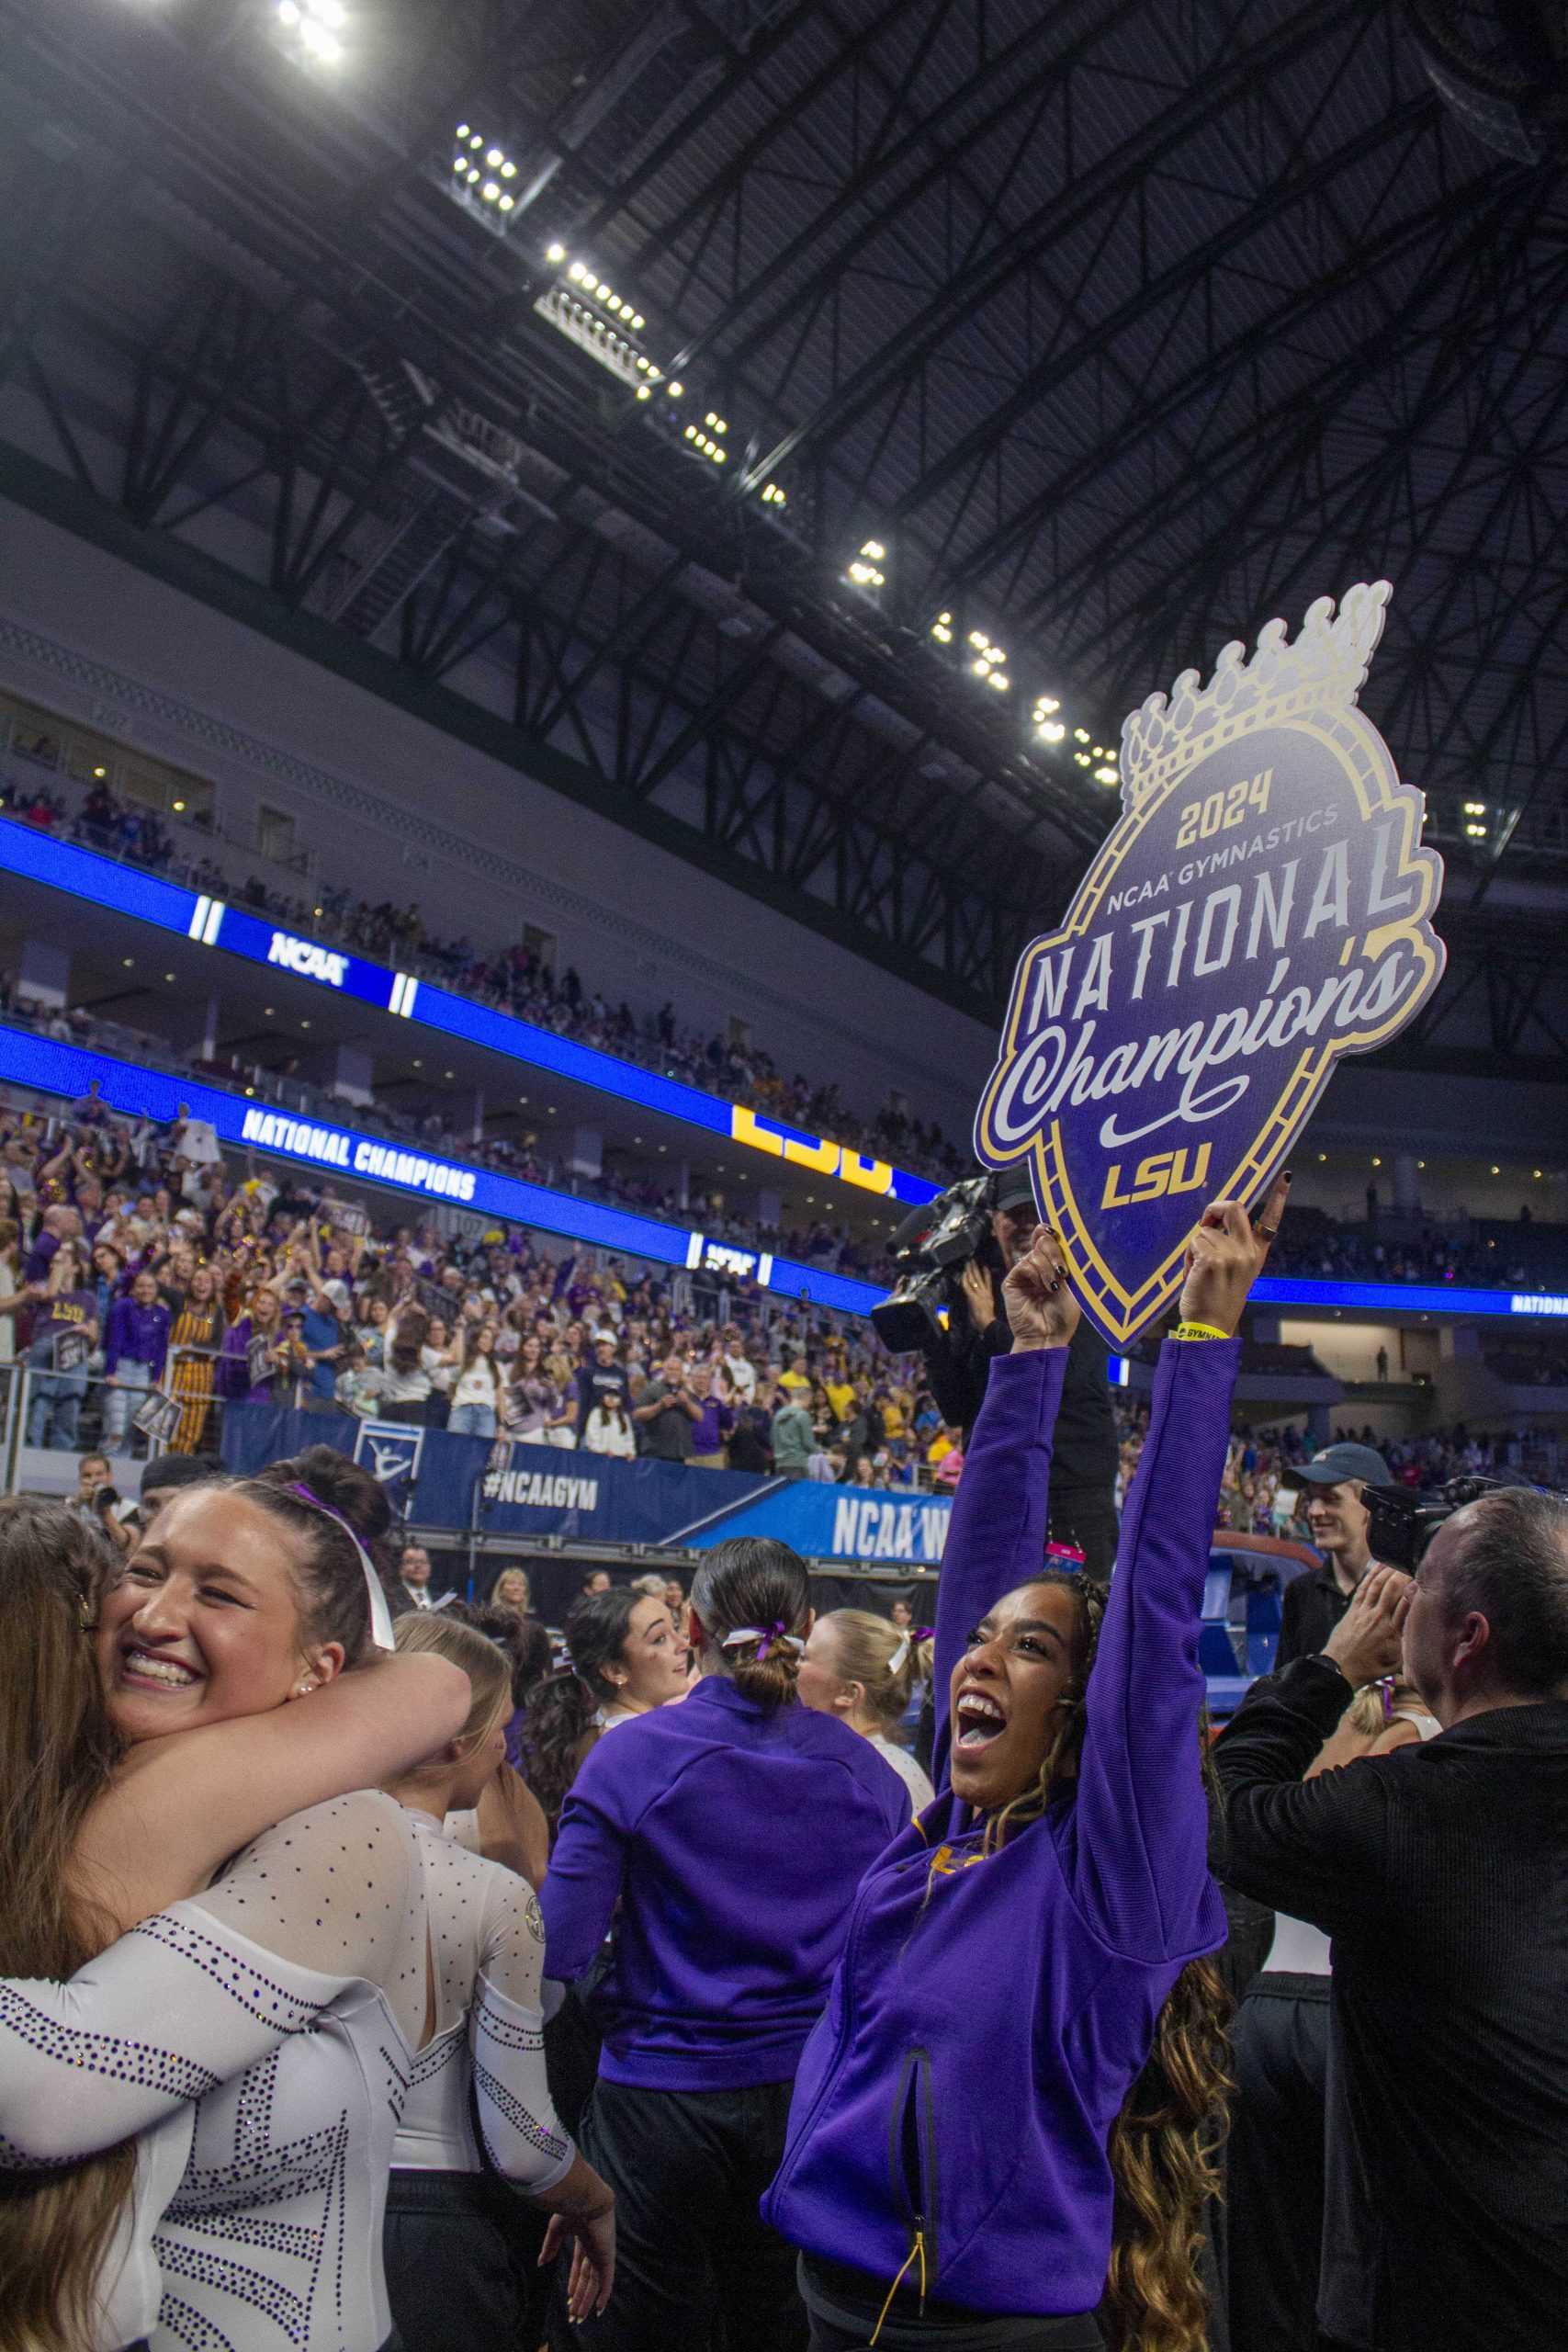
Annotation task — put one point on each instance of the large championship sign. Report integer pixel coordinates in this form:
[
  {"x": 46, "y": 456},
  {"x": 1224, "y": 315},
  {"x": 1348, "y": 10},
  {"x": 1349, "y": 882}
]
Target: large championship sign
[{"x": 1261, "y": 907}]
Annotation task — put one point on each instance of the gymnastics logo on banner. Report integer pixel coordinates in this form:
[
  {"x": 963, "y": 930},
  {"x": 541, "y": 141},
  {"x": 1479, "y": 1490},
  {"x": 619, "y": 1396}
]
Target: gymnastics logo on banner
[
  {"x": 1261, "y": 907},
  {"x": 391, "y": 1452}
]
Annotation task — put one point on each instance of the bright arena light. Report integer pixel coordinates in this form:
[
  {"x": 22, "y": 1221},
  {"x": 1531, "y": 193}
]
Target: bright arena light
[{"x": 313, "y": 28}]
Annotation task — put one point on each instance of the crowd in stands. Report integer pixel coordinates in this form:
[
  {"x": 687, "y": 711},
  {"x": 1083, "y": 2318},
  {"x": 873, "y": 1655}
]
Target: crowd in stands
[
  {"x": 219, "y": 1283},
  {"x": 824, "y": 1243},
  {"x": 1324, "y": 1249}
]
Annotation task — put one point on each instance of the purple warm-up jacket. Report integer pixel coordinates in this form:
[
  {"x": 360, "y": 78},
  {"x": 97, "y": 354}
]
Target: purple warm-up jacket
[
  {"x": 989, "y": 2015},
  {"x": 733, "y": 1838}
]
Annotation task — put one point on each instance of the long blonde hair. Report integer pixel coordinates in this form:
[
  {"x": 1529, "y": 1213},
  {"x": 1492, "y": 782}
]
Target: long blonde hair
[
  {"x": 58, "y": 1751},
  {"x": 1172, "y": 2123}
]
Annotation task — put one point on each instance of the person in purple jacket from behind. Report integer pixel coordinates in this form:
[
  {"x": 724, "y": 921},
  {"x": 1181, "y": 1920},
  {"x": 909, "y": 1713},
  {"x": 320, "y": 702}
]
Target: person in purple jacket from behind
[
  {"x": 962, "y": 2134},
  {"x": 732, "y": 1831}
]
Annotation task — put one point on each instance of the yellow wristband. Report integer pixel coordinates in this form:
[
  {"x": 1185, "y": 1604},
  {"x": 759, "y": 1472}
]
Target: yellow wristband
[{"x": 1198, "y": 1332}]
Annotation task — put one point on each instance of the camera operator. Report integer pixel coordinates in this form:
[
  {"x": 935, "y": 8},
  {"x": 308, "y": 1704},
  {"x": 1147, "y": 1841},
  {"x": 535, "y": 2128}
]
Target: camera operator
[
  {"x": 1441, "y": 1874},
  {"x": 958, "y": 1364}
]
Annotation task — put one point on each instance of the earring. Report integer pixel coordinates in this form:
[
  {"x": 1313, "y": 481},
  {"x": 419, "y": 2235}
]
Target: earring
[{"x": 301, "y": 1687}]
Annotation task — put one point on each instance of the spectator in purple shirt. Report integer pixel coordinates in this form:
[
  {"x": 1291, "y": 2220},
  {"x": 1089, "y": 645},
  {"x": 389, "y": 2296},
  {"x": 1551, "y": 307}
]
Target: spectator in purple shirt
[
  {"x": 136, "y": 1346},
  {"x": 57, "y": 1225},
  {"x": 716, "y": 1420}
]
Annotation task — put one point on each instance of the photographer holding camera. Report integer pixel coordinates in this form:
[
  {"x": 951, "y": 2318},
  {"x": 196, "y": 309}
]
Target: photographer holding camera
[
  {"x": 1441, "y": 1874},
  {"x": 999, "y": 1219}
]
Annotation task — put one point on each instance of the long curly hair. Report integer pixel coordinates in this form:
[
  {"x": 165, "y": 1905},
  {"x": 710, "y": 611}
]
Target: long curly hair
[
  {"x": 558, "y": 1726},
  {"x": 1165, "y": 2142},
  {"x": 58, "y": 1751}
]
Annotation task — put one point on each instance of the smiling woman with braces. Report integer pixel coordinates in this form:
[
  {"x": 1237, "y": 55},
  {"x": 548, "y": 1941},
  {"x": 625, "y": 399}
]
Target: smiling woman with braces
[{"x": 969, "y": 2138}]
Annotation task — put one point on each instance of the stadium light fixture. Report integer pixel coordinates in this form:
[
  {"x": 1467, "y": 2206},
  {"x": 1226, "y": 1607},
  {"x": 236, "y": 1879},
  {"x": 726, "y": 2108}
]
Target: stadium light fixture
[{"x": 312, "y": 28}]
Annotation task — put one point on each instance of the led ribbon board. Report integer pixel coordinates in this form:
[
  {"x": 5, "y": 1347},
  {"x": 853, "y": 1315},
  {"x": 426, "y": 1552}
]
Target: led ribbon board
[
  {"x": 214, "y": 922},
  {"x": 1260, "y": 908}
]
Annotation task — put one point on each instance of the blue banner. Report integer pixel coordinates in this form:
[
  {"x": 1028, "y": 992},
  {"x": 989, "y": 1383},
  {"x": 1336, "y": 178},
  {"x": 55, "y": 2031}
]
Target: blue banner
[
  {"x": 837, "y": 1523},
  {"x": 434, "y": 1479}
]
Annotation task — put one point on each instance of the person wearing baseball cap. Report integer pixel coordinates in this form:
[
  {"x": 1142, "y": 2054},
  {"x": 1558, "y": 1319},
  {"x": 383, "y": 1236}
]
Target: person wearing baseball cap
[{"x": 1337, "y": 1520}]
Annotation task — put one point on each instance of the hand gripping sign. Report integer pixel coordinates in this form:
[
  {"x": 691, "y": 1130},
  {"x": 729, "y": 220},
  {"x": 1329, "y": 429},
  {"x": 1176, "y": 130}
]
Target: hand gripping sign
[{"x": 1261, "y": 907}]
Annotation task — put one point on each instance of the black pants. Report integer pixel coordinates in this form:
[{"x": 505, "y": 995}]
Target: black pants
[
  {"x": 1275, "y": 2164},
  {"x": 846, "y": 2309},
  {"x": 462, "y": 2258},
  {"x": 1086, "y": 1516},
  {"x": 692, "y": 2252}
]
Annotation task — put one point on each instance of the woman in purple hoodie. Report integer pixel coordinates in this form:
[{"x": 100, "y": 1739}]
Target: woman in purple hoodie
[
  {"x": 726, "y": 1838},
  {"x": 963, "y": 2143}
]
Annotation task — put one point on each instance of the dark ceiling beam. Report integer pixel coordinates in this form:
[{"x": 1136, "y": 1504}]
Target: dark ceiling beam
[
  {"x": 1475, "y": 317},
  {"x": 1055, "y": 373},
  {"x": 870, "y": 186},
  {"x": 962, "y": 296},
  {"x": 1169, "y": 504}
]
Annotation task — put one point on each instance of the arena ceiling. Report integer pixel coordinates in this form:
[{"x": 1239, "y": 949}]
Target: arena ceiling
[{"x": 1111, "y": 327}]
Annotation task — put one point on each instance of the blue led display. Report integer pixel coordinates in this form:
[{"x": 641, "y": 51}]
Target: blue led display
[
  {"x": 263, "y": 941},
  {"x": 86, "y": 876}
]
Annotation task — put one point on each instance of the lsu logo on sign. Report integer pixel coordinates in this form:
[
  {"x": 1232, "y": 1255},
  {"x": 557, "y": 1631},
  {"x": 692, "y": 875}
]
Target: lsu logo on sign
[
  {"x": 1261, "y": 907},
  {"x": 391, "y": 1452}
]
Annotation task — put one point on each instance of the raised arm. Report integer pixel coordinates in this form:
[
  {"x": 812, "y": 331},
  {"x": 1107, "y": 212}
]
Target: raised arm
[
  {"x": 1140, "y": 1867},
  {"x": 1315, "y": 1848},
  {"x": 996, "y": 1538},
  {"x": 181, "y": 1805}
]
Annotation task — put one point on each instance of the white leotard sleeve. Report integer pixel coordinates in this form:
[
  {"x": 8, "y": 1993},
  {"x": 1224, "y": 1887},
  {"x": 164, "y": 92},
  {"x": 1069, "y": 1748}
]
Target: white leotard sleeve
[
  {"x": 516, "y": 2116},
  {"x": 194, "y": 1995}
]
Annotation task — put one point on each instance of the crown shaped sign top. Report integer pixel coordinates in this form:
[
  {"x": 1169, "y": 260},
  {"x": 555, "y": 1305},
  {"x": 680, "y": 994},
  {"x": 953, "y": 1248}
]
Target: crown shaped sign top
[{"x": 1261, "y": 907}]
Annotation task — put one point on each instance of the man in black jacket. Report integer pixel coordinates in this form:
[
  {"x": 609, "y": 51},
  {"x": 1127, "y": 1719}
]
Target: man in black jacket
[
  {"x": 958, "y": 1365},
  {"x": 1441, "y": 1874}
]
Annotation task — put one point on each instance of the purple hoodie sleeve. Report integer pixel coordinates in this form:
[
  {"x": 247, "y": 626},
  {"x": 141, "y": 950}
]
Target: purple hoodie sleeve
[
  {"x": 996, "y": 1536},
  {"x": 1142, "y": 1822},
  {"x": 582, "y": 1885}
]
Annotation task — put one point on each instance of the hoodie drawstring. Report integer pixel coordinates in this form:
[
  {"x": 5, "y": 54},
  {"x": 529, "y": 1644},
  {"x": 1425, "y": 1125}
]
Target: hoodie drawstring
[{"x": 917, "y": 2253}]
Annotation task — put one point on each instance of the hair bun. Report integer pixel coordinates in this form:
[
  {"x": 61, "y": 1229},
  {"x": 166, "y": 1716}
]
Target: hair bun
[{"x": 344, "y": 1486}]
